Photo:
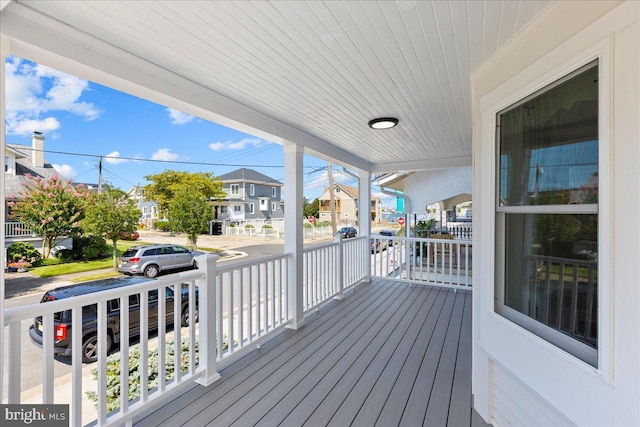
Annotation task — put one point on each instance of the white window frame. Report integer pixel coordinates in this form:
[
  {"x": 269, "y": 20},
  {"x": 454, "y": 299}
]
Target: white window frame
[
  {"x": 251, "y": 208},
  {"x": 252, "y": 189},
  {"x": 237, "y": 209},
  {"x": 274, "y": 206},
  {"x": 274, "y": 191},
  {"x": 534, "y": 78},
  {"x": 234, "y": 189}
]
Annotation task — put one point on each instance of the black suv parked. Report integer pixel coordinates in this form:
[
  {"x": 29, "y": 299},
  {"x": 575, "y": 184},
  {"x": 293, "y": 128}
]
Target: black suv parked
[{"x": 62, "y": 320}]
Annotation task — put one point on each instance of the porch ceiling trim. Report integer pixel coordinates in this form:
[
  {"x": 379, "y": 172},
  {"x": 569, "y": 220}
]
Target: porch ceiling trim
[{"x": 420, "y": 165}]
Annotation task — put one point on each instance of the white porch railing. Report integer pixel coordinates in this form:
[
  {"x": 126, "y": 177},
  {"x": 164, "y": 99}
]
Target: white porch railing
[
  {"x": 239, "y": 306},
  {"x": 251, "y": 302},
  {"x": 331, "y": 268},
  {"x": 17, "y": 229},
  {"x": 186, "y": 371},
  {"x": 439, "y": 262}
]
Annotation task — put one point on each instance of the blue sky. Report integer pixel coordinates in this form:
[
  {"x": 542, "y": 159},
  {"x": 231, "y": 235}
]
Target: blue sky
[{"x": 77, "y": 116}]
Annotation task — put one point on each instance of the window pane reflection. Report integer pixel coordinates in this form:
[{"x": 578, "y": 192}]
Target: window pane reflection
[{"x": 551, "y": 271}]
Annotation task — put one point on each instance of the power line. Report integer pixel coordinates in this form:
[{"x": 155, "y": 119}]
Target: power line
[{"x": 139, "y": 159}]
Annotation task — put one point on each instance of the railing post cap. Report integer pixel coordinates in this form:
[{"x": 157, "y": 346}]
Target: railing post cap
[
  {"x": 207, "y": 257},
  {"x": 338, "y": 237}
]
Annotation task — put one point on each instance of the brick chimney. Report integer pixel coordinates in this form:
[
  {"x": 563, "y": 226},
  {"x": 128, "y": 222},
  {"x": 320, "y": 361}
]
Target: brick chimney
[{"x": 37, "y": 146}]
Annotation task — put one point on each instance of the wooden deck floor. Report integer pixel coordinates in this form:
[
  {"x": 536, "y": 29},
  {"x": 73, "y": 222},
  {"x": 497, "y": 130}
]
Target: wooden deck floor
[{"x": 388, "y": 354}]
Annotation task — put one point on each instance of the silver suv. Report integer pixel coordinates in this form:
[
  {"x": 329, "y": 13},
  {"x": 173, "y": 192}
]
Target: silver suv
[{"x": 150, "y": 260}]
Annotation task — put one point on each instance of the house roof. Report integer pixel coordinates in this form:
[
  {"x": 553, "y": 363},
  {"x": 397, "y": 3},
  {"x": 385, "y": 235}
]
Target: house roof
[
  {"x": 14, "y": 184},
  {"x": 248, "y": 175},
  {"x": 309, "y": 72}
]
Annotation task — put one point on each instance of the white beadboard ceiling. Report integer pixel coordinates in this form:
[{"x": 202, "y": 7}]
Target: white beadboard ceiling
[{"x": 317, "y": 70}]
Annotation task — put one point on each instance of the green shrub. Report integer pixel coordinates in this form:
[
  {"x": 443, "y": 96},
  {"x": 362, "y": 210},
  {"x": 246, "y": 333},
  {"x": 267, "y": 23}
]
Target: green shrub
[
  {"x": 66, "y": 255},
  {"x": 248, "y": 226},
  {"x": 267, "y": 226},
  {"x": 52, "y": 261},
  {"x": 94, "y": 247},
  {"x": 23, "y": 251},
  {"x": 113, "y": 371},
  {"x": 307, "y": 225},
  {"x": 324, "y": 223},
  {"x": 163, "y": 225}
]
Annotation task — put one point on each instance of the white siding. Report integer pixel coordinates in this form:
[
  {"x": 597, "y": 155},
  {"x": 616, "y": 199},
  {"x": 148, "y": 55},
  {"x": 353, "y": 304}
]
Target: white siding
[{"x": 543, "y": 377}]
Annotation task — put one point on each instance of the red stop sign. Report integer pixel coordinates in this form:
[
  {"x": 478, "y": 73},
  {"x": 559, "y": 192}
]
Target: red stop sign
[
  {"x": 310, "y": 219},
  {"x": 401, "y": 221}
]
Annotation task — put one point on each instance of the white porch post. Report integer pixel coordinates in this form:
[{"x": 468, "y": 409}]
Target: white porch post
[
  {"x": 4, "y": 51},
  {"x": 293, "y": 239},
  {"x": 207, "y": 318},
  {"x": 364, "y": 218}
]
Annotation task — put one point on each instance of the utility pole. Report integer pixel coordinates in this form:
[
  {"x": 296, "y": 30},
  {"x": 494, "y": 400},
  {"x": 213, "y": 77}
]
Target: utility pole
[
  {"x": 332, "y": 199},
  {"x": 100, "y": 175}
]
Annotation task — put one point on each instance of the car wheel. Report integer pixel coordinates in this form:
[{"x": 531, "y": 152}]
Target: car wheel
[
  {"x": 151, "y": 271},
  {"x": 184, "y": 319},
  {"x": 194, "y": 264},
  {"x": 90, "y": 348}
]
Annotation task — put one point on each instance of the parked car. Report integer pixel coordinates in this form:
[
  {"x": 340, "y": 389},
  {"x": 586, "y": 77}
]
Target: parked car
[
  {"x": 378, "y": 245},
  {"x": 150, "y": 260},
  {"x": 131, "y": 236},
  {"x": 348, "y": 232},
  {"x": 388, "y": 233},
  {"x": 62, "y": 320}
]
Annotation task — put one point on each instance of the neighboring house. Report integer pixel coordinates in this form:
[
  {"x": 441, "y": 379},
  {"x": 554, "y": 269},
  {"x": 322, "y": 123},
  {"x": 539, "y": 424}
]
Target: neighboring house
[
  {"x": 251, "y": 195},
  {"x": 149, "y": 212},
  {"x": 346, "y": 198},
  {"x": 448, "y": 188},
  {"x": 19, "y": 162}
]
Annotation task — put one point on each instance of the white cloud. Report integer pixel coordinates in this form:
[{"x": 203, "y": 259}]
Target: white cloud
[
  {"x": 114, "y": 158},
  {"x": 33, "y": 91},
  {"x": 65, "y": 170},
  {"x": 164, "y": 154},
  {"x": 28, "y": 126},
  {"x": 178, "y": 117},
  {"x": 237, "y": 145}
]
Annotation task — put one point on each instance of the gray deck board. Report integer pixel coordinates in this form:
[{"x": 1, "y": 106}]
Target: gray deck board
[{"x": 388, "y": 354}]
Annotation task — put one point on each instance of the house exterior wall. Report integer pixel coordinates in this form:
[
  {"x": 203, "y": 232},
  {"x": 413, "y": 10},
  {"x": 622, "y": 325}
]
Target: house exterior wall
[
  {"x": 427, "y": 187},
  {"x": 346, "y": 207},
  {"x": 244, "y": 198},
  {"x": 519, "y": 378}
]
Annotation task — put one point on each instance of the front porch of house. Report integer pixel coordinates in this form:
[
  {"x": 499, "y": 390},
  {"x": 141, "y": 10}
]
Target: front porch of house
[{"x": 388, "y": 354}]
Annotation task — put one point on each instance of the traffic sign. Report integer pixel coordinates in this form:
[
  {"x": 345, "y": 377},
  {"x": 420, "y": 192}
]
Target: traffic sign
[
  {"x": 310, "y": 218},
  {"x": 401, "y": 221}
]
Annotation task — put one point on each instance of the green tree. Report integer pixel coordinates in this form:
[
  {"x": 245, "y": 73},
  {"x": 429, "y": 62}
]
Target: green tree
[
  {"x": 51, "y": 207},
  {"x": 109, "y": 215},
  {"x": 190, "y": 213},
  {"x": 310, "y": 209},
  {"x": 165, "y": 185}
]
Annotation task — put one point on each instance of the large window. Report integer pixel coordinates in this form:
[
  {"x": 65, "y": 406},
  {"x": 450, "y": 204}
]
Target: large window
[
  {"x": 547, "y": 213},
  {"x": 235, "y": 189}
]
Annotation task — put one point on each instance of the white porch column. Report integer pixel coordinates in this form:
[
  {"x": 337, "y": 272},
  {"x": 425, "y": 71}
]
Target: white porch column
[
  {"x": 4, "y": 52},
  {"x": 364, "y": 217},
  {"x": 293, "y": 239}
]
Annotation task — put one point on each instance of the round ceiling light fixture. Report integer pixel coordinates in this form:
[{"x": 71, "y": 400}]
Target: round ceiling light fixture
[{"x": 383, "y": 123}]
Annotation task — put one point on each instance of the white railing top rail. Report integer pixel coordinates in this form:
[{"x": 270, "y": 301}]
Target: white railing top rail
[
  {"x": 319, "y": 246},
  {"x": 250, "y": 262},
  {"x": 34, "y": 310},
  {"x": 421, "y": 239}
]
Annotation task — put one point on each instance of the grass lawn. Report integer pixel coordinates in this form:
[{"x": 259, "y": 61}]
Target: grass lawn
[{"x": 99, "y": 264}]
